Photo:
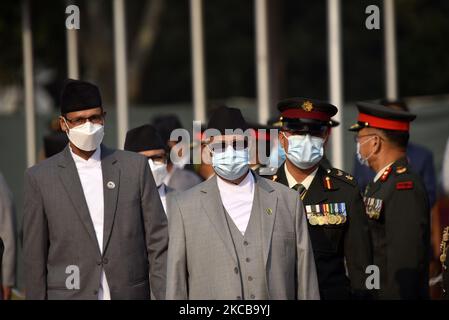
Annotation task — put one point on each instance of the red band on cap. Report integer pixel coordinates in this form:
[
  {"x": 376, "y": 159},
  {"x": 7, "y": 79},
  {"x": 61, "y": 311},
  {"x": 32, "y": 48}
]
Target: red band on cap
[
  {"x": 382, "y": 123},
  {"x": 299, "y": 113}
]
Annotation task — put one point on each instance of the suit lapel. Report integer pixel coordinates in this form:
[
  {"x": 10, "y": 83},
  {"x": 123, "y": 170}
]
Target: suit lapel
[
  {"x": 213, "y": 207},
  {"x": 72, "y": 184},
  {"x": 111, "y": 187},
  {"x": 268, "y": 207}
]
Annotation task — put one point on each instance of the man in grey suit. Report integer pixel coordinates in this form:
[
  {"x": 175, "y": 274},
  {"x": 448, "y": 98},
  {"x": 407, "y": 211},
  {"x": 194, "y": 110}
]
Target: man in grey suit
[
  {"x": 237, "y": 235},
  {"x": 94, "y": 226}
]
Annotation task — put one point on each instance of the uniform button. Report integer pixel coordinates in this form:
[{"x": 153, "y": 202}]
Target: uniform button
[
  {"x": 236, "y": 270},
  {"x": 245, "y": 243},
  {"x": 250, "y": 278},
  {"x": 248, "y": 259},
  {"x": 253, "y": 296},
  {"x": 105, "y": 260},
  {"x": 239, "y": 298},
  {"x": 95, "y": 292},
  {"x": 100, "y": 262}
]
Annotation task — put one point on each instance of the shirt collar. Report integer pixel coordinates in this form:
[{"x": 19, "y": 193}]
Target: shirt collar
[
  {"x": 95, "y": 158},
  {"x": 380, "y": 172},
  {"x": 246, "y": 185},
  {"x": 292, "y": 181}
]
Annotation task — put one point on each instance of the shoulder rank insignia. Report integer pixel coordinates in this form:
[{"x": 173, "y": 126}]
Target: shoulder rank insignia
[
  {"x": 443, "y": 247},
  {"x": 385, "y": 175},
  {"x": 401, "y": 170},
  {"x": 373, "y": 207},
  {"x": 328, "y": 183},
  {"x": 307, "y": 106},
  {"x": 406, "y": 185},
  {"x": 326, "y": 214}
]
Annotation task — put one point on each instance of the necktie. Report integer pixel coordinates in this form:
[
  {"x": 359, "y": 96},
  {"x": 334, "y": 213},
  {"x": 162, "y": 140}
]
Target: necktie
[{"x": 301, "y": 190}]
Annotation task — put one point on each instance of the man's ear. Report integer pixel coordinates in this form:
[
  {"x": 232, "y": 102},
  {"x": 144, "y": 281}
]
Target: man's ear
[
  {"x": 377, "y": 143},
  {"x": 63, "y": 124},
  {"x": 283, "y": 141}
]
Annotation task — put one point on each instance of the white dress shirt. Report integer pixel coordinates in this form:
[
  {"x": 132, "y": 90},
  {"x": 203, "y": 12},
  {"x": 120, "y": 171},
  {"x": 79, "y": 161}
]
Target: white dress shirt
[
  {"x": 380, "y": 172},
  {"x": 238, "y": 200},
  {"x": 91, "y": 176},
  {"x": 292, "y": 181},
  {"x": 163, "y": 195}
]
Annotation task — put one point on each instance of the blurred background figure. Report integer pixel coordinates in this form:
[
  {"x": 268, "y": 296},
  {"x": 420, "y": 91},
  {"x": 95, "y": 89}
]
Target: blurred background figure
[
  {"x": 146, "y": 141},
  {"x": 8, "y": 235},
  {"x": 2, "y": 248},
  {"x": 181, "y": 175},
  {"x": 446, "y": 169},
  {"x": 55, "y": 141}
]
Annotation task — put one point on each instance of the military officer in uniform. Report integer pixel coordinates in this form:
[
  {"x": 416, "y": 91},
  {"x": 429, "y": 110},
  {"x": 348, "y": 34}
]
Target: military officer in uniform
[
  {"x": 337, "y": 223},
  {"x": 444, "y": 262},
  {"x": 396, "y": 203}
]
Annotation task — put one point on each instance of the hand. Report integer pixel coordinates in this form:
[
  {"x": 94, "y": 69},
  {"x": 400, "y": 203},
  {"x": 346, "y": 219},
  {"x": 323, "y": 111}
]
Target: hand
[{"x": 7, "y": 293}]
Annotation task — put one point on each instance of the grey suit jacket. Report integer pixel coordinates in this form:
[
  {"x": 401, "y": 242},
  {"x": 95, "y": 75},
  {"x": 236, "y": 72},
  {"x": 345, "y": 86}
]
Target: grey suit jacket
[
  {"x": 8, "y": 234},
  {"x": 58, "y": 230},
  {"x": 202, "y": 258}
]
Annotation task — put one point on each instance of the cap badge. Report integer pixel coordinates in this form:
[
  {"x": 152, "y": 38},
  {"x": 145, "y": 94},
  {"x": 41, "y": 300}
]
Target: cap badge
[{"x": 307, "y": 106}]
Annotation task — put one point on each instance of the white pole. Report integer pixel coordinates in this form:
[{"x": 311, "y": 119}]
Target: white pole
[
  {"x": 72, "y": 52},
  {"x": 391, "y": 81},
  {"x": 198, "y": 68},
  {"x": 120, "y": 71},
  {"x": 27, "y": 43},
  {"x": 335, "y": 78},
  {"x": 262, "y": 62}
]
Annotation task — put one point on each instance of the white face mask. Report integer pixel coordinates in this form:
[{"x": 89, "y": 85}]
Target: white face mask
[
  {"x": 87, "y": 136},
  {"x": 159, "y": 171}
]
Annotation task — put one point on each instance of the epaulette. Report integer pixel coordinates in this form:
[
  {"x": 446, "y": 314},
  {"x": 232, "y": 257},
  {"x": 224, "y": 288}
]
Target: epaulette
[
  {"x": 401, "y": 170},
  {"x": 344, "y": 176}
]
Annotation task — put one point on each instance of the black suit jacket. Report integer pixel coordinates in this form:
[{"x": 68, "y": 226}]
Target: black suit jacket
[
  {"x": 401, "y": 237},
  {"x": 332, "y": 244}
]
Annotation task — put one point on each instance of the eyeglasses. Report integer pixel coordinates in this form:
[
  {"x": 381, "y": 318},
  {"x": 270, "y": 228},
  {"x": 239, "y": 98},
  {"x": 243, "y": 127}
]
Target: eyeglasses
[
  {"x": 96, "y": 118},
  {"x": 222, "y": 145},
  {"x": 357, "y": 138}
]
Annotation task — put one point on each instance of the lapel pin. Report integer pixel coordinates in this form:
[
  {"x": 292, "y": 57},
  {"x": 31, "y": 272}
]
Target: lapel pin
[
  {"x": 269, "y": 211},
  {"x": 110, "y": 185}
]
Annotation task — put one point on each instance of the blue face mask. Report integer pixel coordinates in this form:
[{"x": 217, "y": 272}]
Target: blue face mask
[
  {"x": 363, "y": 161},
  {"x": 305, "y": 151},
  {"x": 277, "y": 156},
  {"x": 231, "y": 164}
]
